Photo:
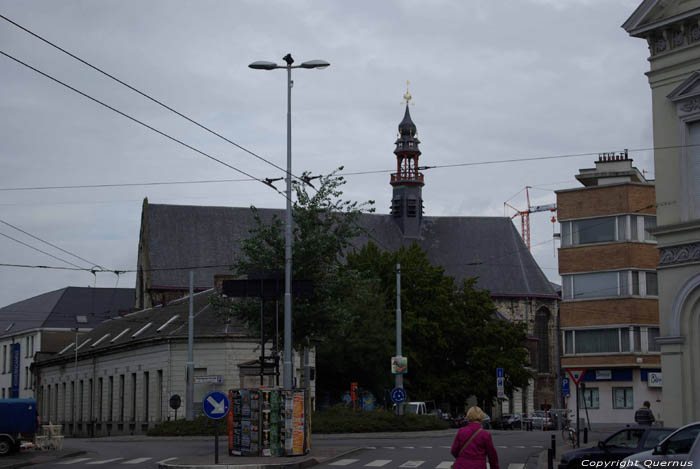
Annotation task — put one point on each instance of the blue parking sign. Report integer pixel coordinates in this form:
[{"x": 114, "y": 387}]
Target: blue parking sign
[
  {"x": 565, "y": 387},
  {"x": 499, "y": 373}
]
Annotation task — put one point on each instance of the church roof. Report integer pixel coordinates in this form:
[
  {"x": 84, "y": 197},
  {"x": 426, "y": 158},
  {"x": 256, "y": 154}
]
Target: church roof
[{"x": 192, "y": 236}]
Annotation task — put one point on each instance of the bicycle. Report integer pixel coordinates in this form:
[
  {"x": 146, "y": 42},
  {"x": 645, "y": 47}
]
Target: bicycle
[{"x": 568, "y": 433}]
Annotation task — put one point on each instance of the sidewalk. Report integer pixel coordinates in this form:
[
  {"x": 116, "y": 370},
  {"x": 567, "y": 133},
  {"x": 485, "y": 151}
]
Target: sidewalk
[
  {"x": 31, "y": 458},
  {"x": 563, "y": 447},
  {"x": 316, "y": 456}
]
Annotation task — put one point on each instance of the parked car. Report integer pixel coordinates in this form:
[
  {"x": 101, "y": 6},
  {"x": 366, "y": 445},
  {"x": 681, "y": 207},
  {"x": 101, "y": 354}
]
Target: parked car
[
  {"x": 417, "y": 407},
  {"x": 19, "y": 421},
  {"x": 681, "y": 445},
  {"x": 461, "y": 421},
  {"x": 510, "y": 421},
  {"x": 486, "y": 421},
  {"x": 542, "y": 420},
  {"x": 617, "y": 446}
]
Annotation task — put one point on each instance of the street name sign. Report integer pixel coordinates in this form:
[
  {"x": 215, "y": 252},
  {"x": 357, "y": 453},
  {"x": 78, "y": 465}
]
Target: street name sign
[
  {"x": 210, "y": 379},
  {"x": 215, "y": 405}
]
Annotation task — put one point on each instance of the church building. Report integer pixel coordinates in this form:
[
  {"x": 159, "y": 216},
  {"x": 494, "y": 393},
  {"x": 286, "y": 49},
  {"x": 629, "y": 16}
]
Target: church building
[{"x": 490, "y": 248}]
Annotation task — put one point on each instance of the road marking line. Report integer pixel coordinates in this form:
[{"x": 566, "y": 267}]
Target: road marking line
[
  {"x": 136, "y": 461},
  {"x": 521, "y": 447},
  {"x": 370, "y": 447},
  {"x": 444, "y": 465},
  {"x": 427, "y": 447},
  {"x": 104, "y": 461},
  {"x": 163, "y": 461},
  {"x": 408, "y": 447},
  {"x": 516, "y": 466},
  {"x": 74, "y": 461},
  {"x": 388, "y": 447},
  {"x": 501, "y": 446},
  {"x": 343, "y": 462},
  {"x": 537, "y": 446},
  {"x": 447, "y": 447},
  {"x": 412, "y": 464},
  {"x": 378, "y": 463}
]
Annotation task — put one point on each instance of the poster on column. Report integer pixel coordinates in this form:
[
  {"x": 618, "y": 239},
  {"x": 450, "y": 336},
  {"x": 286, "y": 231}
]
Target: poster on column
[
  {"x": 14, "y": 390},
  {"x": 298, "y": 423}
]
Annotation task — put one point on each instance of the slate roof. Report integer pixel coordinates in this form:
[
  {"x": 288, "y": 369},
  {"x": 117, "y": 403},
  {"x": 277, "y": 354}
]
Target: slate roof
[
  {"x": 487, "y": 247},
  {"x": 166, "y": 322},
  {"x": 58, "y": 309}
]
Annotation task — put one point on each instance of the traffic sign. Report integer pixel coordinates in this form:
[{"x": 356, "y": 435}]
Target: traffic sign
[
  {"x": 499, "y": 373},
  {"x": 209, "y": 379},
  {"x": 501, "y": 393},
  {"x": 576, "y": 374},
  {"x": 565, "y": 387},
  {"x": 398, "y": 395},
  {"x": 175, "y": 401},
  {"x": 215, "y": 405}
]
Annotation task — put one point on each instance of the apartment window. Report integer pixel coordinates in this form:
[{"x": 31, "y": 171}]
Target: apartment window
[
  {"x": 594, "y": 285},
  {"x": 593, "y": 230},
  {"x": 652, "y": 284},
  {"x": 26, "y": 347},
  {"x": 597, "y": 341},
  {"x": 622, "y": 398},
  {"x": 635, "y": 282},
  {"x": 653, "y": 334},
  {"x": 569, "y": 342},
  {"x": 634, "y": 231},
  {"x": 625, "y": 345},
  {"x": 591, "y": 397},
  {"x": 649, "y": 224}
]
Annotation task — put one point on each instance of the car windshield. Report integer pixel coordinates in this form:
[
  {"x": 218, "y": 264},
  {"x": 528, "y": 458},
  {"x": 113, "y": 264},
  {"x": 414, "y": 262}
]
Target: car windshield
[
  {"x": 625, "y": 439},
  {"x": 412, "y": 408},
  {"x": 654, "y": 437},
  {"x": 682, "y": 441}
]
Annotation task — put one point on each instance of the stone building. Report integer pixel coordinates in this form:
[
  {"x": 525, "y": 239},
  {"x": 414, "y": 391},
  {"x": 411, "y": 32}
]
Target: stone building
[
  {"x": 128, "y": 367},
  {"x": 489, "y": 248},
  {"x": 671, "y": 29},
  {"x": 609, "y": 315}
]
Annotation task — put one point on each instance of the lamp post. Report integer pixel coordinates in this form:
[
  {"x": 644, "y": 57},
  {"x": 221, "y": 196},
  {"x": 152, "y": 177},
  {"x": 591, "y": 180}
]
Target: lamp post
[{"x": 263, "y": 65}]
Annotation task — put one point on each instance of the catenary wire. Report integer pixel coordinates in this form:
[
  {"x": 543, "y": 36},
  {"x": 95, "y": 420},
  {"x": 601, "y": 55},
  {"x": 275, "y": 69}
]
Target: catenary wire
[
  {"x": 140, "y": 122},
  {"x": 43, "y": 252},
  {"x": 50, "y": 244},
  {"x": 147, "y": 96}
]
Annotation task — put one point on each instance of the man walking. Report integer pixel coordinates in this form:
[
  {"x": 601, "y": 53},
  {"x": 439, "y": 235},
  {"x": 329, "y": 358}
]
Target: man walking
[{"x": 644, "y": 416}]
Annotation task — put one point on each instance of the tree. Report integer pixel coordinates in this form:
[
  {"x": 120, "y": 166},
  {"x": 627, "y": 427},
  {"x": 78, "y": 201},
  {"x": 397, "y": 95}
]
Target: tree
[{"x": 324, "y": 226}]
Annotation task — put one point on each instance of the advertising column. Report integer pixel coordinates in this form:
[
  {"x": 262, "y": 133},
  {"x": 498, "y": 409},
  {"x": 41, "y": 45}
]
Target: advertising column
[{"x": 14, "y": 390}]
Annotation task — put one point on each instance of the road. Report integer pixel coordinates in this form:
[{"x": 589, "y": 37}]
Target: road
[{"x": 407, "y": 451}]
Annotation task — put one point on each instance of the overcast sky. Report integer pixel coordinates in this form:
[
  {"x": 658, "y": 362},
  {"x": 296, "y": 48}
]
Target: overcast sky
[{"x": 491, "y": 80}]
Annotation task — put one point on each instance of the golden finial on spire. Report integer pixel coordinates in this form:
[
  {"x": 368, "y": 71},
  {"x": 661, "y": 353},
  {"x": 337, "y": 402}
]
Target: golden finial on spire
[{"x": 407, "y": 96}]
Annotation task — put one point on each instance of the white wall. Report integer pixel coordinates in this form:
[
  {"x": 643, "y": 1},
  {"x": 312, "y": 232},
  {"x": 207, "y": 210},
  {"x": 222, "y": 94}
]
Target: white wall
[{"x": 26, "y": 358}]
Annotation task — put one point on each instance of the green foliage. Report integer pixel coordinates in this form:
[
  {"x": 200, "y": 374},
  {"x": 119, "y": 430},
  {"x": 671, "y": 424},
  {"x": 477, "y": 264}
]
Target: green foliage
[
  {"x": 324, "y": 226},
  {"x": 339, "y": 419}
]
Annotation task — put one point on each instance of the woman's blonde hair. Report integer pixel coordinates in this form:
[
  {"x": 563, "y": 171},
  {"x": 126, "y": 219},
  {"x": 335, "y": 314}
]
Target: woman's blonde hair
[{"x": 475, "y": 414}]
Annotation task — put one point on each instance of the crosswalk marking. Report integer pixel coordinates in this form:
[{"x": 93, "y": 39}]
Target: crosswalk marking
[
  {"x": 378, "y": 463},
  {"x": 501, "y": 446},
  {"x": 447, "y": 447},
  {"x": 163, "y": 461},
  {"x": 408, "y": 447},
  {"x": 518, "y": 446},
  {"x": 412, "y": 464},
  {"x": 104, "y": 461},
  {"x": 388, "y": 447},
  {"x": 516, "y": 466},
  {"x": 74, "y": 461},
  {"x": 136, "y": 461},
  {"x": 427, "y": 447},
  {"x": 444, "y": 465},
  {"x": 343, "y": 462}
]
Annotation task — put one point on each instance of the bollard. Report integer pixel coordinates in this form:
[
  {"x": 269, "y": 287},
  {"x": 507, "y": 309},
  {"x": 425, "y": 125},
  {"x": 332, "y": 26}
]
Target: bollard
[
  {"x": 585, "y": 435},
  {"x": 550, "y": 459},
  {"x": 554, "y": 446}
]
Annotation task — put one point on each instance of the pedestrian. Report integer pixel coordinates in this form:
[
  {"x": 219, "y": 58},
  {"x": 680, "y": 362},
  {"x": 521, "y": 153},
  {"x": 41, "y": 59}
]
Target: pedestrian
[
  {"x": 472, "y": 444},
  {"x": 644, "y": 415}
]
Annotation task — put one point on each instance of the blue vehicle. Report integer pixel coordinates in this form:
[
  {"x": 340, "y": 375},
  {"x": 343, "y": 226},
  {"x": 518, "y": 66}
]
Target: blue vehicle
[{"x": 18, "y": 421}]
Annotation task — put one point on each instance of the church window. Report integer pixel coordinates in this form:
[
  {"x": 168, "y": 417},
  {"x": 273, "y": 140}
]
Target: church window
[
  {"x": 542, "y": 333},
  {"x": 412, "y": 208}
]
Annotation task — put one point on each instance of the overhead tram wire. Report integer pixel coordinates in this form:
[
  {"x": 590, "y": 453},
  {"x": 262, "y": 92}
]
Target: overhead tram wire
[
  {"x": 160, "y": 132},
  {"x": 52, "y": 245},
  {"x": 43, "y": 252},
  {"x": 147, "y": 96},
  {"x": 128, "y": 184}
]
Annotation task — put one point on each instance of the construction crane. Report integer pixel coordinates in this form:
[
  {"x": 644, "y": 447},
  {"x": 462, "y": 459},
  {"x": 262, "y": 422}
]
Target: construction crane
[{"x": 525, "y": 214}]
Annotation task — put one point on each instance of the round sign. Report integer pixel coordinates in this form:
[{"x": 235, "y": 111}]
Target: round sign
[
  {"x": 398, "y": 395},
  {"x": 215, "y": 405},
  {"x": 175, "y": 401}
]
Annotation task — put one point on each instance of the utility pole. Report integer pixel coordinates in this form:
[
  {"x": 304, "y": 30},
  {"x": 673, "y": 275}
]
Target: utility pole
[
  {"x": 75, "y": 385},
  {"x": 398, "y": 377},
  {"x": 190, "y": 354}
]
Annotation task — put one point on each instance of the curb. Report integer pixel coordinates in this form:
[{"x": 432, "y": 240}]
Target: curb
[
  {"x": 31, "y": 463},
  {"x": 303, "y": 464}
]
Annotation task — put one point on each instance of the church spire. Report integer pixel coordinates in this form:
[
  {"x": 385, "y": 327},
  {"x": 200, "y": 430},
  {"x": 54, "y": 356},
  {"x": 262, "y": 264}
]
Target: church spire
[{"x": 407, "y": 181}]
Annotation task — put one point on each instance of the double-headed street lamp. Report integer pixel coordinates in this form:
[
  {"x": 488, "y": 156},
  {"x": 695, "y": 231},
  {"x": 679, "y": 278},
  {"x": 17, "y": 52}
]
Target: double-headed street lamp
[{"x": 263, "y": 65}]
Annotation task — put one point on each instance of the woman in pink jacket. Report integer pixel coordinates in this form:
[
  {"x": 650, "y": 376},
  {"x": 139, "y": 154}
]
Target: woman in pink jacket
[{"x": 473, "y": 455}]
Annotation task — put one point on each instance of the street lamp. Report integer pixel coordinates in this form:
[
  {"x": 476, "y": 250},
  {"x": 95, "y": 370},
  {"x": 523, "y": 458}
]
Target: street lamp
[{"x": 263, "y": 65}]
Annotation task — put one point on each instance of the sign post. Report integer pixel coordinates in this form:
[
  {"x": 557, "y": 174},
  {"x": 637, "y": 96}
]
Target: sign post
[
  {"x": 577, "y": 375},
  {"x": 216, "y": 406}
]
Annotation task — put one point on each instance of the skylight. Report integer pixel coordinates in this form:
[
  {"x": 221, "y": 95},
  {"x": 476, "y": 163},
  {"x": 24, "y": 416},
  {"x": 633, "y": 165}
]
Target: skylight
[
  {"x": 120, "y": 334},
  {"x": 167, "y": 323},
  {"x": 137, "y": 333},
  {"x": 66, "y": 349},
  {"x": 100, "y": 340},
  {"x": 81, "y": 345}
]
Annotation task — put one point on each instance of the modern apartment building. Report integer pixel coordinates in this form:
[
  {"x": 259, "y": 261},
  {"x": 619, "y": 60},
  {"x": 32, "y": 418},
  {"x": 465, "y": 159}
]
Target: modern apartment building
[{"x": 609, "y": 314}]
